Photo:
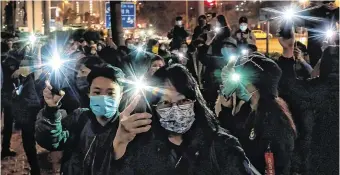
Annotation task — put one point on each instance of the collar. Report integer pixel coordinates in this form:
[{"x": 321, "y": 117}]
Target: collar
[
  {"x": 98, "y": 128},
  {"x": 193, "y": 141}
]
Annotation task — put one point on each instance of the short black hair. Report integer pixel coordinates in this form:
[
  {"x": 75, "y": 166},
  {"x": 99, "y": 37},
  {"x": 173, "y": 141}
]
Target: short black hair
[
  {"x": 179, "y": 18},
  {"x": 243, "y": 19},
  {"x": 157, "y": 58},
  {"x": 90, "y": 62},
  {"x": 128, "y": 39},
  {"x": 107, "y": 71},
  {"x": 202, "y": 17}
]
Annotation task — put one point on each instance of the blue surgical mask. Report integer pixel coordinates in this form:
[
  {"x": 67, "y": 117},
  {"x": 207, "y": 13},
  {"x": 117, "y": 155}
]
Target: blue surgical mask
[
  {"x": 225, "y": 52},
  {"x": 243, "y": 27},
  {"x": 103, "y": 106},
  {"x": 130, "y": 46}
]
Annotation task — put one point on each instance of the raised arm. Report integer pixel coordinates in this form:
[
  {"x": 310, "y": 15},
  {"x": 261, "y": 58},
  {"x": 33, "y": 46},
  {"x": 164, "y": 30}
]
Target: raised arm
[{"x": 53, "y": 127}]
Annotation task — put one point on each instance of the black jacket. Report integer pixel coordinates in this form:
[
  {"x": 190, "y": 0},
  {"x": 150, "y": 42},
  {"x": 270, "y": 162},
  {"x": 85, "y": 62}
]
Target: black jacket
[
  {"x": 201, "y": 152},
  {"x": 329, "y": 18},
  {"x": 314, "y": 105},
  {"x": 198, "y": 31},
  {"x": 87, "y": 145},
  {"x": 272, "y": 129},
  {"x": 178, "y": 35},
  {"x": 212, "y": 75}
]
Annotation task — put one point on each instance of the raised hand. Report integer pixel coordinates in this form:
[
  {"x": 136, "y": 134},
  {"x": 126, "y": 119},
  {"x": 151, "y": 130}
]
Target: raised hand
[
  {"x": 52, "y": 100},
  {"x": 129, "y": 127}
]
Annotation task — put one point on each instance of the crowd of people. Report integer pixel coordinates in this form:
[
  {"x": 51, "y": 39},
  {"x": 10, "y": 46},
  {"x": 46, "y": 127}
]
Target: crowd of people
[{"x": 212, "y": 106}]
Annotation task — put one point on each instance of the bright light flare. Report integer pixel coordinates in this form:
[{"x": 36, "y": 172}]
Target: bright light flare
[
  {"x": 32, "y": 38},
  {"x": 329, "y": 34},
  {"x": 55, "y": 62},
  {"x": 140, "y": 85},
  {"x": 289, "y": 14},
  {"x": 244, "y": 52},
  {"x": 142, "y": 32},
  {"x": 217, "y": 29},
  {"x": 232, "y": 58},
  {"x": 180, "y": 55},
  {"x": 150, "y": 32},
  {"x": 140, "y": 49},
  {"x": 235, "y": 77}
]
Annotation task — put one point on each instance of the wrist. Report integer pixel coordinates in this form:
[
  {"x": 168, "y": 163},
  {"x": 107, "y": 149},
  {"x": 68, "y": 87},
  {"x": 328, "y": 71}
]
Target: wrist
[
  {"x": 117, "y": 142},
  {"x": 287, "y": 53}
]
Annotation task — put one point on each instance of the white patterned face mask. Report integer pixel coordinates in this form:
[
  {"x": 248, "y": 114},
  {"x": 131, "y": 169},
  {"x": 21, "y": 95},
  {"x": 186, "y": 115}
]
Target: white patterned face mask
[{"x": 178, "y": 118}]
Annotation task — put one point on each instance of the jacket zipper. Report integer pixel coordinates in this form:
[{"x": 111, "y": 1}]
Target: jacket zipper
[
  {"x": 88, "y": 152},
  {"x": 179, "y": 160},
  {"x": 93, "y": 163}
]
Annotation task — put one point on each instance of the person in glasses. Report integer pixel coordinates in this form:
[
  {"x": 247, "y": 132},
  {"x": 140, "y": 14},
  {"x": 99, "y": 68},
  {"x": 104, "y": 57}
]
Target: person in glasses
[{"x": 184, "y": 137}]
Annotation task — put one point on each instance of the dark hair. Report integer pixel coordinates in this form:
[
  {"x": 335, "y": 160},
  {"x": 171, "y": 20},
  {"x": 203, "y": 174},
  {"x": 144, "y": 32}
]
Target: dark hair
[
  {"x": 89, "y": 62},
  {"x": 127, "y": 40},
  {"x": 185, "y": 84},
  {"x": 151, "y": 43},
  {"x": 157, "y": 58},
  {"x": 265, "y": 74},
  {"x": 179, "y": 18},
  {"x": 202, "y": 17},
  {"x": 223, "y": 21},
  {"x": 107, "y": 71},
  {"x": 243, "y": 19}
]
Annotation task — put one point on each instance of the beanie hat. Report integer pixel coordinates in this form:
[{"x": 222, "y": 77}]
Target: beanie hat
[
  {"x": 264, "y": 74},
  {"x": 243, "y": 19},
  {"x": 230, "y": 41}
]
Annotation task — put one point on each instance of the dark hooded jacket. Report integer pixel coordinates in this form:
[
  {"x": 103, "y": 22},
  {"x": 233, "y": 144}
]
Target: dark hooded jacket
[
  {"x": 203, "y": 151},
  {"x": 268, "y": 126},
  {"x": 315, "y": 104},
  {"x": 87, "y": 145},
  {"x": 178, "y": 36},
  {"x": 213, "y": 62}
]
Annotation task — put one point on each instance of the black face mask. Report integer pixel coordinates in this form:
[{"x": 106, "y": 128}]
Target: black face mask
[{"x": 82, "y": 84}]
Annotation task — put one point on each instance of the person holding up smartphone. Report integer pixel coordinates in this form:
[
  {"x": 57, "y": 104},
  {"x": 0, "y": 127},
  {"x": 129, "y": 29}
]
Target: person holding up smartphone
[{"x": 92, "y": 139}]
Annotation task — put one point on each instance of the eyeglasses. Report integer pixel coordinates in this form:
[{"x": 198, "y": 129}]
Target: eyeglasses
[{"x": 181, "y": 104}]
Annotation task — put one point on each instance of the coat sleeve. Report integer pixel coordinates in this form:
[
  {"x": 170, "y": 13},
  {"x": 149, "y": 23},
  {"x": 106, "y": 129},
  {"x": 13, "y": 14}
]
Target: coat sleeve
[
  {"x": 231, "y": 157},
  {"x": 53, "y": 127}
]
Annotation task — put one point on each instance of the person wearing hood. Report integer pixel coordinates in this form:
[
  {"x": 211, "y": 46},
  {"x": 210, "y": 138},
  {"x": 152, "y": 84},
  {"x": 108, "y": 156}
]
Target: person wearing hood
[
  {"x": 214, "y": 61},
  {"x": 201, "y": 28},
  {"x": 314, "y": 103},
  {"x": 244, "y": 35},
  {"x": 185, "y": 137},
  {"x": 92, "y": 139},
  {"x": 262, "y": 123},
  {"x": 178, "y": 34}
]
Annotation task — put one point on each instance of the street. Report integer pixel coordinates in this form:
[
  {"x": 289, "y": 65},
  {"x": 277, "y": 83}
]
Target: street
[{"x": 274, "y": 45}]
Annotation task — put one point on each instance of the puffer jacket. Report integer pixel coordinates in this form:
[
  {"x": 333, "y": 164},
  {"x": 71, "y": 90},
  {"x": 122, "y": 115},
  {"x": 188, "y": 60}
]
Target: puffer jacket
[{"x": 87, "y": 145}]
